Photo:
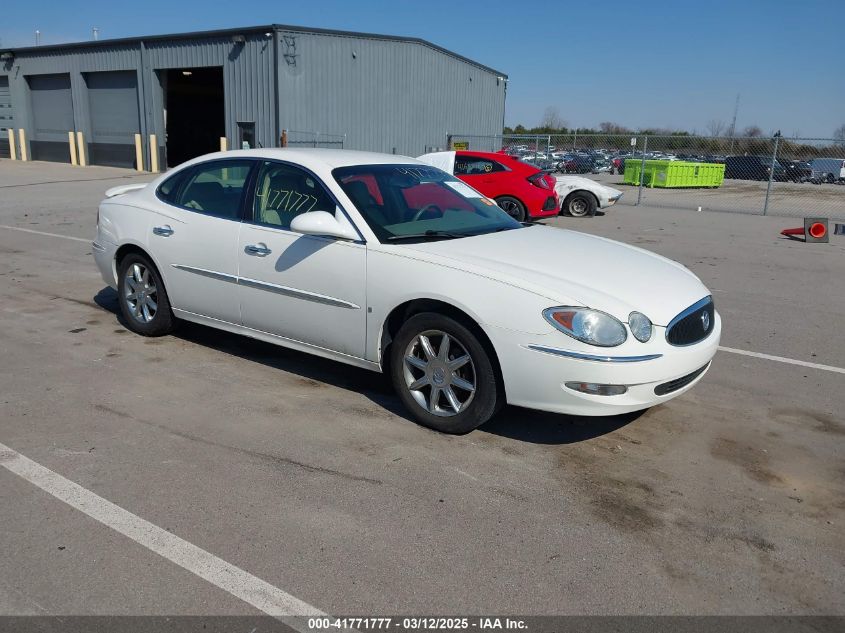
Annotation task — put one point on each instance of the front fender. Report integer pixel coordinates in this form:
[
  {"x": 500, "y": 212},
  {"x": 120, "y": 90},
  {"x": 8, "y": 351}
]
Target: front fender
[{"x": 393, "y": 280}]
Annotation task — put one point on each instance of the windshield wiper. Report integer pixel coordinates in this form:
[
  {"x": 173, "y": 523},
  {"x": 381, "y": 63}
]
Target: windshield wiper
[{"x": 427, "y": 235}]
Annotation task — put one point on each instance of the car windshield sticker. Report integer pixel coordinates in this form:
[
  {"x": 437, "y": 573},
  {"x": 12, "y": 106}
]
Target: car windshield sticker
[
  {"x": 464, "y": 190},
  {"x": 288, "y": 200}
]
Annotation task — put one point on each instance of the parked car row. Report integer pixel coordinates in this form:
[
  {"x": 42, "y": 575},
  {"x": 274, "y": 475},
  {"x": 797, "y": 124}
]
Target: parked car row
[
  {"x": 523, "y": 189},
  {"x": 817, "y": 171}
]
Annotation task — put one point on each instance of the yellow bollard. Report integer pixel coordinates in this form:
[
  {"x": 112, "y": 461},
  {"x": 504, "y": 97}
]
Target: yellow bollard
[
  {"x": 224, "y": 144},
  {"x": 13, "y": 152},
  {"x": 72, "y": 143},
  {"x": 139, "y": 154},
  {"x": 22, "y": 137},
  {"x": 153, "y": 154},
  {"x": 80, "y": 145}
]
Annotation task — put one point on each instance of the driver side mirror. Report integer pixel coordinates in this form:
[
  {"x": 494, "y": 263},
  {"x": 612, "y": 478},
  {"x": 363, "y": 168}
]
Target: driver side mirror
[{"x": 322, "y": 223}]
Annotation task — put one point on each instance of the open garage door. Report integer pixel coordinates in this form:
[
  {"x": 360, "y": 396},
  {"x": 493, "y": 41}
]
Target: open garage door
[
  {"x": 7, "y": 118},
  {"x": 113, "y": 106},
  {"x": 52, "y": 117},
  {"x": 195, "y": 112}
]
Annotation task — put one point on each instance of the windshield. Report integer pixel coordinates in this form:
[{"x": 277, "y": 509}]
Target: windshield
[{"x": 418, "y": 202}]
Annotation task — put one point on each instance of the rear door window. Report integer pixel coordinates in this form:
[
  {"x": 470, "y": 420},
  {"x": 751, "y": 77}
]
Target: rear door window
[
  {"x": 215, "y": 188},
  {"x": 475, "y": 165}
]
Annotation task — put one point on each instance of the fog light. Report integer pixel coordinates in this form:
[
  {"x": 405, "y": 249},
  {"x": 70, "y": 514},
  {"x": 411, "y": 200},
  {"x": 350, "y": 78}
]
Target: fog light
[{"x": 595, "y": 389}]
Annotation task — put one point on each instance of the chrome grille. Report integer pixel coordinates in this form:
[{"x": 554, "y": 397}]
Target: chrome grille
[{"x": 693, "y": 324}]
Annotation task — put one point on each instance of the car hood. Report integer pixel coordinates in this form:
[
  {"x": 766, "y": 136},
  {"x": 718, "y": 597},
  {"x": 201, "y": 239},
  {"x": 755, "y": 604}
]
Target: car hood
[{"x": 571, "y": 268}]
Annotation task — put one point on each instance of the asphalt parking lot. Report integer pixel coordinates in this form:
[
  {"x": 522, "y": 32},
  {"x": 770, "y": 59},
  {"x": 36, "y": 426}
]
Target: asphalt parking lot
[
  {"x": 305, "y": 474},
  {"x": 740, "y": 196}
]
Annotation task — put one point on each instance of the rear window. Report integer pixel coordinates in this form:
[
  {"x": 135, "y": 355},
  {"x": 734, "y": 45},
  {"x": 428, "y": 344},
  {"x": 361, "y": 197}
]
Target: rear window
[{"x": 169, "y": 188}]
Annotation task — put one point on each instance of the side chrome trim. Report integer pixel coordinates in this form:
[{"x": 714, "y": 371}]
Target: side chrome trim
[
  {"x": 263, "y": 285},
  {"x": 601, "y": 359},
  {"x": 98, "y": 247},
  {"x": 207, "y": 273},
  {"x": 299, "y": 294}
]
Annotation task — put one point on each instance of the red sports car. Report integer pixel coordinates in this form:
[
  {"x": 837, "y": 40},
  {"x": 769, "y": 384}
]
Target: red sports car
[{"x": 520, "y": 189}]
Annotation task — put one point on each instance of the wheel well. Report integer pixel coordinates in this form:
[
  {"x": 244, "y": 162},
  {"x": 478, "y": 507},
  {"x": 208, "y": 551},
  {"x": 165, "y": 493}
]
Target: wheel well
[
  {"x": 405, "y": 311},
  {"x": 577, "y": 191},
  {"x": 128, "y": 249},
  {"x": 125, "y": 250}
]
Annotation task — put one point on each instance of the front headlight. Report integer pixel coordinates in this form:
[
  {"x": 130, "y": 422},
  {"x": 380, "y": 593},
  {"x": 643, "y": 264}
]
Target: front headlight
[
  {"x": 587, "y": 325},
  {"x": 640, "y": 326}
]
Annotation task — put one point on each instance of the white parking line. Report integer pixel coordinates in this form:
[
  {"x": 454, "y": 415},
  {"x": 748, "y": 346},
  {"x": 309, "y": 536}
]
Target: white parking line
[
  {"x": 64, "y": 237},
  {"x": 781, "y": 359},
  {"x": 235, "y": 581}
]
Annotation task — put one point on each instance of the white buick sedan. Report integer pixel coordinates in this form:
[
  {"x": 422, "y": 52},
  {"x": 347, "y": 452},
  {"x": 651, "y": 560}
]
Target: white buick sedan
[{"x": 390, "y": 264}]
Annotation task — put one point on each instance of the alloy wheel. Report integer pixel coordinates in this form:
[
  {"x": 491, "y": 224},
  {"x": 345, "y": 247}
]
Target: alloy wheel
[
  {"x": 439, "y": 373},
  {"x": 510, "y": 207},
  {"x": 140, "y": 293}
]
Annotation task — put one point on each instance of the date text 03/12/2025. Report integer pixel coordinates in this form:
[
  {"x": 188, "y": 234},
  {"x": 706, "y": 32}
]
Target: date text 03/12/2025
[{"x": 415, "y": 623}]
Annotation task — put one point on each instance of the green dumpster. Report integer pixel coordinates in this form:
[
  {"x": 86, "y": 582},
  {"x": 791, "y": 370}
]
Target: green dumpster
[{"x": 674, "y": 173}]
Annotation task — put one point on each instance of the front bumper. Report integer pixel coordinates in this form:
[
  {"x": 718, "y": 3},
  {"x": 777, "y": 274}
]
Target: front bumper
[
  {"x": 535, "y": 376},
  {"x": 609, "y": 198}
]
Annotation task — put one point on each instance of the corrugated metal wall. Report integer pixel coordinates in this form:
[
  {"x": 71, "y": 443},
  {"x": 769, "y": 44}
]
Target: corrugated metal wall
[
  {"x": 7, "y": 116},
  {"x": 384, "y": 94},
  {"x": 247, "y": 78}
]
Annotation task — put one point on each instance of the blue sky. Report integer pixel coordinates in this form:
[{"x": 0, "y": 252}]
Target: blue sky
[{"x": 673, "y": 63}]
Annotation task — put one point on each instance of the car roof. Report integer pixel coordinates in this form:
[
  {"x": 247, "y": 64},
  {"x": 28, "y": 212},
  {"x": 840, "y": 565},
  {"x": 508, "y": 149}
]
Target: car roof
[
  {"x": 311, "y": 157},
  {"x": 469, "y": 152}
]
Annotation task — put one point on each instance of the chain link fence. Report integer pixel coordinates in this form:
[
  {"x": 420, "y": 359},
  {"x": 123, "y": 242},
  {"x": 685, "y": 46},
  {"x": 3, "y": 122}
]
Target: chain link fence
[{"x": 767, "y": 176}]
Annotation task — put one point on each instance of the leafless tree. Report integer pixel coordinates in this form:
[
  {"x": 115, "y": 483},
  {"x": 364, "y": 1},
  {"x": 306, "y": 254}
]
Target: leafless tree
[
  {"x": 552, "y": 119},
  {"x": 839, "y": 134},
  {"x": 716, "y": 127},
  {"x": 753, "y": 131},
  {"x": 609, "y": 127}
]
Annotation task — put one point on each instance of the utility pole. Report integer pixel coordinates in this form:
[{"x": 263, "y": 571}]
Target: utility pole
[{"x": 776, "y": 138}]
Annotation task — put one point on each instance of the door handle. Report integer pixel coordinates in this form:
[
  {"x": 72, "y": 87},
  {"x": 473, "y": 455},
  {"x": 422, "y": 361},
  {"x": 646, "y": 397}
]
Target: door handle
[
  {"x": 257, "y": 249},
  {"x": 164, "y": 231}
]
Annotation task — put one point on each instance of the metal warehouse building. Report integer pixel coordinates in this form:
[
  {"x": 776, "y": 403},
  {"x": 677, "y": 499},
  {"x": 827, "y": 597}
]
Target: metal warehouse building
[{"x": 183, "y": 93}]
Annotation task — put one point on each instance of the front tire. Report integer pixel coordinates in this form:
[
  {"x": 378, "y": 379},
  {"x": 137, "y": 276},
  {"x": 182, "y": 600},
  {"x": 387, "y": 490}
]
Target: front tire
[
  {"x": 143, "y": 300},
  {"x": 442, "y": 374},
  {"x": 580, "y": 204}
]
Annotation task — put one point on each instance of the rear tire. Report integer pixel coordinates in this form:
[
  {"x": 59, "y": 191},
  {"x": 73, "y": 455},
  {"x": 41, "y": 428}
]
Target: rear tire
[
  {"x": 513, "y": 208},
  {"x": 580, "y": 204},
  {"x": 142, "y": 298},
  {"x": 453, "y": 390}
]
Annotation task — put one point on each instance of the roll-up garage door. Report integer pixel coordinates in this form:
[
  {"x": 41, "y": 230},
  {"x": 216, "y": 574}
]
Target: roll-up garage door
[
  {"x": 52, "y": 117},
  {"x": 113, "y": 105},
  {"x": 7, "y": 119}
]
